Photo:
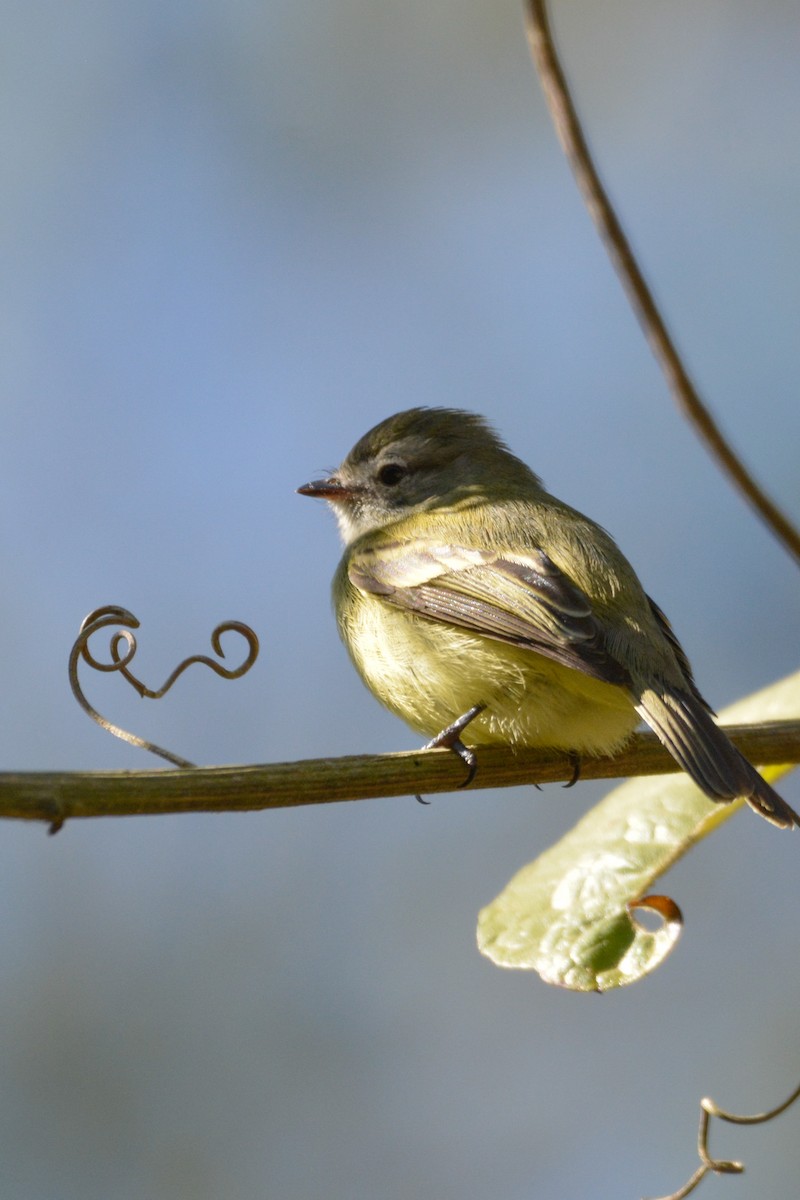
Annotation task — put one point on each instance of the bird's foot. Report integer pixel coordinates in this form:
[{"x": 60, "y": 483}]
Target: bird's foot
[
  {"x": 575, "y": 759},
  {"x": 450, "y": 739}
]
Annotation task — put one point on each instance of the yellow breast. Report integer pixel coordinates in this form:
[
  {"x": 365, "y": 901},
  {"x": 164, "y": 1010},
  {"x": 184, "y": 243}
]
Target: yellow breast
[{"x": 430, "y": 673}]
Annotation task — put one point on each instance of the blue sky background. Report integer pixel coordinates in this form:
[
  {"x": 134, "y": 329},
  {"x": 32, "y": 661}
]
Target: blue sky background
[{"x": 234, "y": 236}]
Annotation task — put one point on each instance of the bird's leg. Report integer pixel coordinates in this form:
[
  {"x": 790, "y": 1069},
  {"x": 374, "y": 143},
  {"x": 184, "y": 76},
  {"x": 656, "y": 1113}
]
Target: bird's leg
[
  {"x": 450, "y": 739},
  {"x": 575, "y": 759}
]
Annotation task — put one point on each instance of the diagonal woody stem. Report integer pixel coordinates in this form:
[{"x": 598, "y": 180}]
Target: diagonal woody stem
[{"x": 573, "y": 142}]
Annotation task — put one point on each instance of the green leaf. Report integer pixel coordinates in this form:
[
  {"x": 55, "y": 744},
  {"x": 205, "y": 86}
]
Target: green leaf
[{"x": 571, "y": 914}]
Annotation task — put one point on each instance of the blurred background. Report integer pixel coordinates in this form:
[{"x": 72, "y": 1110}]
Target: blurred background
[{"x": 234, "y": 236}]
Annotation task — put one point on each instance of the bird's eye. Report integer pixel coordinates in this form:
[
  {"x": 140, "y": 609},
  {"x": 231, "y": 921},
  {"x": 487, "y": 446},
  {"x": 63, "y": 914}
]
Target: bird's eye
[{"x": 391, "y": 474}]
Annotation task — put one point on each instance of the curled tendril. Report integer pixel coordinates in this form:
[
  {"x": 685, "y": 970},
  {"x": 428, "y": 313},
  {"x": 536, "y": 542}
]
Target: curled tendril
[
  {"x": 720, "y": 1166},
  {"x": 123, "y": 648}
]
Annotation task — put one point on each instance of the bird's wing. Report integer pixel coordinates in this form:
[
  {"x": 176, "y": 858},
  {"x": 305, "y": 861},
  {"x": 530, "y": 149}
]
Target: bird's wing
[{"x": 525, "y": 600}]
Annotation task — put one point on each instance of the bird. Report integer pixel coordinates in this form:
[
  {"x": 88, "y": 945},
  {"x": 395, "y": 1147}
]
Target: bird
[{"x": 468, "y": 597}]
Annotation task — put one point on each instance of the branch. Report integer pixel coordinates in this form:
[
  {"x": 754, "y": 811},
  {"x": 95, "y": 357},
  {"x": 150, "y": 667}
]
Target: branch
[
  {"x": 573, "y": 142},
  {"x": 58, "y": 796},
  {"x": 708, "y": 1109}
]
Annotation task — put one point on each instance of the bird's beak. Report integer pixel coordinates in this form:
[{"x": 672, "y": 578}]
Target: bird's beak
[{"x": 328, "y": 489}]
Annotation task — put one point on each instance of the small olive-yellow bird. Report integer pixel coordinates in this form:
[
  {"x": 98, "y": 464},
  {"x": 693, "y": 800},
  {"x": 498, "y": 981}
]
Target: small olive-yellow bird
[{"x": 469, "y": 596}]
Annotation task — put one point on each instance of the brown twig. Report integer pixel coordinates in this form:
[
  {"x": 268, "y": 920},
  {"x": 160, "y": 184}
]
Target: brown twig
[
  {"x": 59, "y": 796},
  {"x": 568, "y": 127},
  {"x": 720, "y": 1166},
  {"x": 113, "y": 614}
]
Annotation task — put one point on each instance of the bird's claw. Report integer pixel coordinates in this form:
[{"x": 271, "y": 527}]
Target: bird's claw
[
  {"x": 575, "y": 759},
  {"x": 450, "y": 739}
]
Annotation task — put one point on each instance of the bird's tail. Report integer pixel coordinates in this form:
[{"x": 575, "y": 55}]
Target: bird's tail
[{"x": 684, "y": 724}]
